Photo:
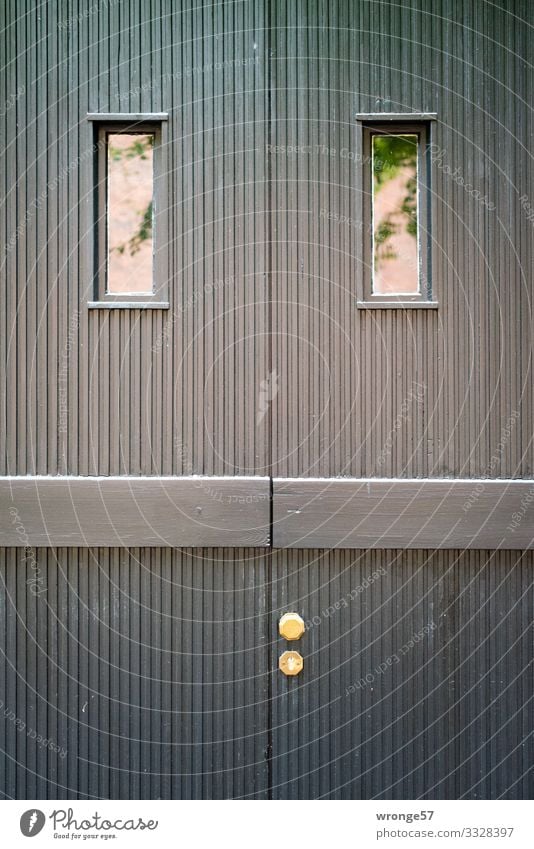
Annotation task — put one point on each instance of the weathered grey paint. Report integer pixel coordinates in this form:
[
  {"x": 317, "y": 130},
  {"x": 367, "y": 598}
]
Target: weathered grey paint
[
  {"x": 264, "y": 279},
  {"x": 347, "y": 375}
]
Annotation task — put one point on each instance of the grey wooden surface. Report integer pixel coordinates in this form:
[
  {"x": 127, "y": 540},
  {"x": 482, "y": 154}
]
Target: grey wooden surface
[
  {"x": 402, "y": 392},
  {"x": 418, "y": 677},
  {"x": 402, "y": 514},
  {"x": 134, "y": 391},
  {"x": 306, "y": 513},
  {"x": 129, "y": 511},
  {"x": 154, "y": 671},
  {"x": 127, "y": 661},
  {"x": 261, "y": 279},
  {"x": 153, "y": 667}
]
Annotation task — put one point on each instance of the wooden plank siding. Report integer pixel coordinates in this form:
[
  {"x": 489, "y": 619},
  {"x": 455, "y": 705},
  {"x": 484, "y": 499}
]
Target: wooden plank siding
[
  {"x": 127, "y": 661},
  {"x": 416, "y": 393},
  {"x": 378, "y": 513},
  {"x": 418, "y": 679},
  {"x": 292, "y": 513}
]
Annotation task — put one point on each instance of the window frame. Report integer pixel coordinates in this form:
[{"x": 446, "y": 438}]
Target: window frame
[
  {"x": 103, "y": 127},
  {"x": 420, "y": 126}
]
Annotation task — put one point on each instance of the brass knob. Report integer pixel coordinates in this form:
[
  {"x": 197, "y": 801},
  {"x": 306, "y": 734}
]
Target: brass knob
[
  {"x": 291, "y": 626},
  {"x": 291, "y": 663}
]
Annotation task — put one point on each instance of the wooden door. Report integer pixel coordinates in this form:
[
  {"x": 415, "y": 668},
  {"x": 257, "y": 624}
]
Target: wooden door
[{"x": 270, "y": 433}]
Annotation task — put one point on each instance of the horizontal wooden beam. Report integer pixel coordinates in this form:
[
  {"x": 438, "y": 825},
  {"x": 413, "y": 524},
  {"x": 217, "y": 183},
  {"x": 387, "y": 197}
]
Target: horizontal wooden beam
[
  {"x": 134, "y": 511},
  {"x": 396, "y": 117},
  {"x": 383, "y": 513},
  {"x": 128, "y": 117}
]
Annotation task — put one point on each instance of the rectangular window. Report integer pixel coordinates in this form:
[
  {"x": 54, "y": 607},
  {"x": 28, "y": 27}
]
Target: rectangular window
[
  {"x": 395, "y": 206},
  {"x": 396, "y": 267},
  {"x": 131, "y": 212}
]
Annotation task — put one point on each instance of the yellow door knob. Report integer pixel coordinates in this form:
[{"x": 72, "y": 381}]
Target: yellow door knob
[
  {"x": 291, "y": 663},
  {"x": 291, "y": 626}
]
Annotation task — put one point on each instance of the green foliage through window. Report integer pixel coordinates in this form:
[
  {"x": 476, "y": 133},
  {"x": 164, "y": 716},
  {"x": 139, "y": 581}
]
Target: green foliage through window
[{"x": 395, "y": 211}]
